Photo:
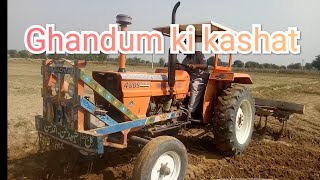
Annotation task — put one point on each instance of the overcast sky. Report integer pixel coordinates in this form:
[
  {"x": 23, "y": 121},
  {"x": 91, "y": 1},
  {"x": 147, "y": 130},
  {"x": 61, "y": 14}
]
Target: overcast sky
[{"x": 238, "y": 15}]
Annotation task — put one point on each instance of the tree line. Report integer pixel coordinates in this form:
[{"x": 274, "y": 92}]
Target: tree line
[
  {"x": 12, "y": 53},
  {"x": 315, "y": 64}
]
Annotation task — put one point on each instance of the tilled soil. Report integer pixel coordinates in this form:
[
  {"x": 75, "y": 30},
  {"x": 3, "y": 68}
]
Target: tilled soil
[{"x": 265, "y": 158}]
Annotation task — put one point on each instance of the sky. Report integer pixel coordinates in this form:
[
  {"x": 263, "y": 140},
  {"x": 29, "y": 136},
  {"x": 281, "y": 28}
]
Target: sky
[{"x": 239, "y": 15}]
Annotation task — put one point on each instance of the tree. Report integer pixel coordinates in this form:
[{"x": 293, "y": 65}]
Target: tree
[
  {"x": 238, "y": 63},
  {"x": 56, "y": 56},
  {"x": 251, "y": 64},
  {"x": 12, "y": 53},
  {"x": 308, "y": 66},
  {"x": 294, "y": 66},
  {"x": 102, "y": 57},
  {"x": 161, "y": 61},
  {"x": 142, "y": 61},
  {"x": 38, "y": 56},
  {"x": 283, "y": 67},
  {"x": 269, "y": 66},
  {"x": 117, "y": 59},
  {"x": 23, "y": 54},
  {"x": 316, "y": 62},
  {"x": 91, "y": 57},
  {"x": 274, "y": 66},
  {"x": 134, "y": 61},
  {"x": 210, "y": 61}
]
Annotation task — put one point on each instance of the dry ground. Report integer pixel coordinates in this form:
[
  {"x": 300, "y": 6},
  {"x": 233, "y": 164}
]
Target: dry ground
[{"x": 296, "y": 156}]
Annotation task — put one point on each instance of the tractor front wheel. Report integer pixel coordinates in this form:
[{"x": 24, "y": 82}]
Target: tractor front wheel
[
  {"x": 234, "y": 120},
  {"x": 164, "y": 157}
]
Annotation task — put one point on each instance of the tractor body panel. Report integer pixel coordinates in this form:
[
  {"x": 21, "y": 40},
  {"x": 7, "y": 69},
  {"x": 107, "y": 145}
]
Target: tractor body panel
[{"x": 136, "y": 89}]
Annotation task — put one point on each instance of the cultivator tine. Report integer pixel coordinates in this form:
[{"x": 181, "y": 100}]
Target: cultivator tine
[
  {"x": 280, "y": 110},
  {"x": 90, "y": 165},
  {"x": 281, "y": 116},
  {"x": 265, "y": 122},
  {"x": 259, "y": 124},
  {"x": 282, "y": 132},
  {"x": 284, "y": 125},
  {"x": 40, "y": 142},
  {"x": 43, "y": 142}
]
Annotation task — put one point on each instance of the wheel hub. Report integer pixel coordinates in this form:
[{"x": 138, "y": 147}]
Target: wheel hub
[
  {"x": 240, "y": 120},
  {"x": 243, "y": 121},
  {"x": 167, "y": 167},
  {"x": 164, "y": 170}
]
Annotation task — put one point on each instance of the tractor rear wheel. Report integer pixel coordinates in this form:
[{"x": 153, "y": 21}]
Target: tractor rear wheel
[
  {"x": 164, "y": 157},
  {"x": 234, "y": 120}
]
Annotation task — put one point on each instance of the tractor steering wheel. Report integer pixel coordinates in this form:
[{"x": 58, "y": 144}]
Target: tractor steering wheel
[{"x": 184, "y": 67}]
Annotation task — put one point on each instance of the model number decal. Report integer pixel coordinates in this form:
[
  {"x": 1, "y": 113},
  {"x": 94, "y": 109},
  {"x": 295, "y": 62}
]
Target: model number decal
[
  {"x": 132, "y": 85},
  {"x": 63, "y": 70},
  {"x": 135, "y": 85}
]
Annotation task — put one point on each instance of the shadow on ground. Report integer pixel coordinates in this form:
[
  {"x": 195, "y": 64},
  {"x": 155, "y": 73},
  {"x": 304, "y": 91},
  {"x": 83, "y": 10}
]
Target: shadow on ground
[{"x": 64, "y": 164}]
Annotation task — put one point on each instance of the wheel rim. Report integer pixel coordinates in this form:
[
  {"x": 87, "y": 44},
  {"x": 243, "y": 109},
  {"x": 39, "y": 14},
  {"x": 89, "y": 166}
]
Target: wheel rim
[
  {"x": 243, "y": 121},
  {"x": 167, "y": 166}
]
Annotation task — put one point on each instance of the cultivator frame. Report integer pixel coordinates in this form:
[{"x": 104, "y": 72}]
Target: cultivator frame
[
  {"x": 68, "y": 123},
  {"x": 282, "y": 111}
]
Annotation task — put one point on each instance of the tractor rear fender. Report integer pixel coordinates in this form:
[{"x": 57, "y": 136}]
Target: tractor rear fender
[
  {"x": 216, "y": 83},
  {"x": 240, "y": 78}
]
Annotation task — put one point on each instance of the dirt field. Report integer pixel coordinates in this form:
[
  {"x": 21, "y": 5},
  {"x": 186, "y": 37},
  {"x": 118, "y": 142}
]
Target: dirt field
[{"x": 296, "y": 156}]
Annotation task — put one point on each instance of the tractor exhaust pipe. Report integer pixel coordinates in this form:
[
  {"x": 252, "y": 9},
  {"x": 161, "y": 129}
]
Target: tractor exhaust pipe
[
  {"x": 172, "y": 57},
  {"x": 123, "y": 20}
]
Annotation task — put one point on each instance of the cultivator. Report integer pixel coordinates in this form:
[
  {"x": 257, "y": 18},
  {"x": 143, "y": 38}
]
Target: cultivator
[{"x": 281, "y": 111}]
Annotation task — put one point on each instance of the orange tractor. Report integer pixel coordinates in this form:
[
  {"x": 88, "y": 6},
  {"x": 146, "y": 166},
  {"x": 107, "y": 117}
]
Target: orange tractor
[{"x": 139, "y": 107}]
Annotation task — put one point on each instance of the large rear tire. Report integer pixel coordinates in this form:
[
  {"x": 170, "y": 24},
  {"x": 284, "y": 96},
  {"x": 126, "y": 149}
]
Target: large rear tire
[
  {"x": 234, "y": 120},
  {"x": 164, "y": 157}
]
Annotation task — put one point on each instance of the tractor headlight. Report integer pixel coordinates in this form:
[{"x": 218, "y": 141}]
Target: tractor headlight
[{"x": 71, "y": 89}]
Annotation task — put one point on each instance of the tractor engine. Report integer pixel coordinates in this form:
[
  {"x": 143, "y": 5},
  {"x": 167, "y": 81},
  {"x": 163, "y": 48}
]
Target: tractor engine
[
  {"x": 145, "y": 94},
  {"x": 160, "y": 104}
]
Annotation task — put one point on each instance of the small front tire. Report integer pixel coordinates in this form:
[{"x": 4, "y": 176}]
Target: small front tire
[{"x": 164, "y": 157}]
